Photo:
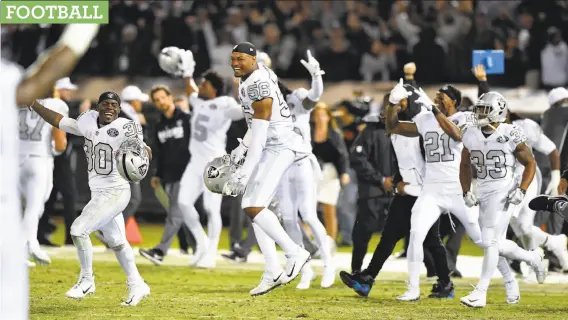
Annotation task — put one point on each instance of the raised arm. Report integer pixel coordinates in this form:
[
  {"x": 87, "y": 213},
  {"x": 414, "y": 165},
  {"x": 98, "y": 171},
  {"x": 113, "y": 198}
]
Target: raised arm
[
  {"x": 408, "y": 129},
  {"x": 315, "y": 92},
  {"x": 55, "y": 63},
  {"x": 450, "y": 128},
  {"x": 524, "y": 155},
  {"x": 57, "y": 120}
]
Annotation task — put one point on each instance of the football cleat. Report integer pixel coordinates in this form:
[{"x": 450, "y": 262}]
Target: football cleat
[
  {"x": 295, "y": 264},
  {"x": 442, "y": 290},
  {"x": 154, "y": 255},
  {"x": 267, "y": 284},
  {"x": 512, "y": 291},
  {"x": 136, "y": 292},
  {"x": 82, "y": 288},
  {"x": 476, "y": 299}
]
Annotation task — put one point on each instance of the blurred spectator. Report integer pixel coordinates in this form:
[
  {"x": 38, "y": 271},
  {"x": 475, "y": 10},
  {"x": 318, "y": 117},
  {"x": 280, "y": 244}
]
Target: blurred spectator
[
  {"x": 429, "y": 55},
  {"x": 554, "y": 60}
]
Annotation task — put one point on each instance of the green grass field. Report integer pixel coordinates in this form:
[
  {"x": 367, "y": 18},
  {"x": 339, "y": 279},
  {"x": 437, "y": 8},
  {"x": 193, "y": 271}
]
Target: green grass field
[{"x": 180, "y": 292}]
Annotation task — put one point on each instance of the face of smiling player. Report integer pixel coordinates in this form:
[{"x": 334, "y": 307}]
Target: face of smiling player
[
  {"x": 242, "y": 64},
  {"x": 108, "y": 111}
]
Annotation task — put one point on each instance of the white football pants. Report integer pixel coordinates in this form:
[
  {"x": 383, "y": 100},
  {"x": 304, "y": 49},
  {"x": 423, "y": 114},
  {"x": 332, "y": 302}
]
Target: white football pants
[
  {"x": 431, "y": 203},
  {"x": 191, "y": 186},
  {"x": 297, "y": 192},
  {"x": 36, "y": 182}
]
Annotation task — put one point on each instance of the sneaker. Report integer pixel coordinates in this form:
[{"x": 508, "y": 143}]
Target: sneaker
[
  {"x": 308, "y": 275},
  {"x": 156, "y": 256},
  {"x": 83, "y": 287},
  {"x": 513, "y": 294},
  {"x": 328, "y": 276},
  {"x": 442, "y": 290},
  {"x": 539, "y": 266},
  {"x": 208, "y": 261},
  {"x": 234, "y": 256},
  {"x": 411, "y": 294},
  {"x": 545, "y": 203},
  {"x": 295, "y": 263},
  {"x": 476, "y": 299},
  {"x": 267, "y": 284},
  {"x": 360, "y": 282},
  {"x": 197, "y": 256},
  {"x": 136, "y": 292}
]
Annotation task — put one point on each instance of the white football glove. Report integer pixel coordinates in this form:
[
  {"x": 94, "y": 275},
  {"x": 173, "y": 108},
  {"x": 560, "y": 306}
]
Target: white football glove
[
  {"x": 312, "y": 65},
  {"x": 470, "y": 199},
  {"x": 236, "y": 185},
  {"x": 187, "y": 66},
  {"x": 516, "y": 196},
  {"x": 238, "y": 154},
  {"x": 424, "y": 99},
  {"x": 552, "y": 188},
  {"x": 398, "y": 93}
]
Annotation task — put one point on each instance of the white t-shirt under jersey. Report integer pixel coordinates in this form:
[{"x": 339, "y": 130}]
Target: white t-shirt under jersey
[
  {"x": 36, "y": 133},
  {"x": 443, "y": 154},
  {"x": 263, "y": 83},
  {"x": 210, "y": 122}
]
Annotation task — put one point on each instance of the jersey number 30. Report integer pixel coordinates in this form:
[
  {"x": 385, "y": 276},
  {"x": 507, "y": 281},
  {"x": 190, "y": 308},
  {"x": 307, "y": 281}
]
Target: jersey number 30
[{"x": 99, "y": 157}]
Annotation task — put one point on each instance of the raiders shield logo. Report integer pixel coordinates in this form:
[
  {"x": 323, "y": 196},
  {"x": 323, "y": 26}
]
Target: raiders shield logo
[
  {"x": 143, "y": 169},
  {"x": 213, "y": 106},
  {"x": 212, "y": 172},
  {"x": 502, "y": 139},
  {"x": 112, "y": 132}
]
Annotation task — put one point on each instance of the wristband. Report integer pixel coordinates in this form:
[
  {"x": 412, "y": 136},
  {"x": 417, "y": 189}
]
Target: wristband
[
  {"x": 523, "y": 191},
  {"x": 435, "y": 110}
]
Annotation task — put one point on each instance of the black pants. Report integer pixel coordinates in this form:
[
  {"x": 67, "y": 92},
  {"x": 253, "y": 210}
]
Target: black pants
[
  {"x": 64, "y": 183},
  {"x": 370, "y": 218},
  {"x": 454, "y": 241},
  {"x": 397, "y": 227}
]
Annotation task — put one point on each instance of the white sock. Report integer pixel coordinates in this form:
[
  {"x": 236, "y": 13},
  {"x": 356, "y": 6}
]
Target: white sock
[
  {"x": 415, "y": 259},
  {"x": 214, "y": 227},
  {"x": 85, "y": 253},
  {"x": 191, "y": 220},
  {"x": 538, "y": 237},
  {"x": 414, "y": 274},
  {"x": 490, "y": 260},
  {"x": 512, "y": 251},
  {"x": 267, "y": 220},
  {"x": 125, "y": 257},
  {"x": 292, "y": 227},
  {"x": 267, "y": 246},
  {"x": 505, "y": 269},
  {"x": 320, "y": 235}
]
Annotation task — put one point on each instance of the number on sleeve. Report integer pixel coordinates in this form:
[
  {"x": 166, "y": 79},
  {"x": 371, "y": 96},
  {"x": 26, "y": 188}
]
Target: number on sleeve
[
  {"x": 25, "y": 134},
  {"x": 99, "y": 157},
  {"x": 498, "y": 158},
  {"x": 199, "y": 129},
  {"x": 432, "y": 142},
  {"x": 518, "y": 136}
]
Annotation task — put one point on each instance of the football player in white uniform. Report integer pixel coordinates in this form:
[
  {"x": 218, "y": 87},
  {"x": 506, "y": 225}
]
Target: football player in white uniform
[
  {"x": 272, "y": 146},
  {"x": 19, "y": 90},
  {"x": 104, "y": 132},
  {"x": 212, "y": 114},
  {"x": 298, "y": 187},
  {"x": 441, "y": 187},
  {"x": 494, "y": 147},
  {"x": 39, "y": 142}
]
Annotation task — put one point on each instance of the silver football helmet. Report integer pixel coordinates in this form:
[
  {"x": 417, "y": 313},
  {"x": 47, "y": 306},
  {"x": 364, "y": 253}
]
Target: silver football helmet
[
  {"x": 132, "y": 160},
  {"x": 490, "y": 108},
  {"x": 218, "y": 172}
]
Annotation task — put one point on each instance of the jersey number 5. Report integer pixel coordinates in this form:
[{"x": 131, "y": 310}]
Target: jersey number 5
[
  {"x": 199, "y": 130},
  {"x": 432, "y": 142},
  {"x": 99, "y": 157}
]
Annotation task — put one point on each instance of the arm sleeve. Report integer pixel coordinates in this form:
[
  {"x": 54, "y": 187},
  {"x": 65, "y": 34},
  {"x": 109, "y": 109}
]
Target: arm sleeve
[
  {"x": 259, "y": 130},
  {"x": 70, "y": 126},
  {"x": 317, "y": 88},
  {"x": 360, "y": 159},
  {"x": 234, "y": 110},
  {"x": 516, "y": 137},
  {"x": 482, "y": 88}
]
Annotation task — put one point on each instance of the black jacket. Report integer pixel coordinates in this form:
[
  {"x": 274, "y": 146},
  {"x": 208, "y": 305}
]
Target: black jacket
[
  {"x": 371, "y": 159},
  {"x": 171, "y": 146},
  {"x": 333, "y": 151}
]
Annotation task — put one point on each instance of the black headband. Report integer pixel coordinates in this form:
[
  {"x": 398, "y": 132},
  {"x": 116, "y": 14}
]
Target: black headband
[
  {"x": 246, "y": 48},
  {"x": 109, "y": 95},
  {"x": 452, "y": 92}
]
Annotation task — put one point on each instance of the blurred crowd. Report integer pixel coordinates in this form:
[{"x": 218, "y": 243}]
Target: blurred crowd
[{"x": 371, "y": 39}]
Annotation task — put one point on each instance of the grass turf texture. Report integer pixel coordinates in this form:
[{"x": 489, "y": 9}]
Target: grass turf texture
[{"x": 185, "y": 293}]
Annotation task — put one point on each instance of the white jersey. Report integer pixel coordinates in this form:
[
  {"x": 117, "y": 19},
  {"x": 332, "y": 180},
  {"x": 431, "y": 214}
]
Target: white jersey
[
  {"x": 443, "y": 154},
  {"x": 493, "y": 157},
  {"x": 300, "y": 115},
  {"x": 36, "y": 133},
  {"x": 101, "y": 143},
  {"x": 536, "y": 139},
  {"x": 263, "y": 83},
  {"x": 210, "y": 122}
]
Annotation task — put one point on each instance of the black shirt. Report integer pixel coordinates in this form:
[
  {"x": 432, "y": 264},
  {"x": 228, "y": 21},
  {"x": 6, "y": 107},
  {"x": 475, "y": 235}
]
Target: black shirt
[{"x": 171, "y": 145}]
